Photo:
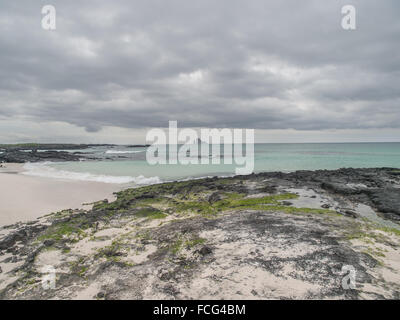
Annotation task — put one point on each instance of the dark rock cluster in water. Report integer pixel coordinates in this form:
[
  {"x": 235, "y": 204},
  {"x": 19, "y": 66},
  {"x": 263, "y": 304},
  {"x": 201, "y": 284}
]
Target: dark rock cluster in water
[
  {"x": 43, "y": 152},
  {"x": 35, "y": 156}
]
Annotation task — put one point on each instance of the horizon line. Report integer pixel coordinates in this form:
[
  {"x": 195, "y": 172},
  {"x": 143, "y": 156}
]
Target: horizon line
[{"x": 127, "y": 144}]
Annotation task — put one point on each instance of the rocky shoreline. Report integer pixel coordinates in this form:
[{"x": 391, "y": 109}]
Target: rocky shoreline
[
  {"x": 32, "y": 152},
  {"x": 49, "y": 146},
  {"x": 264, "y": 236},
  {"x": 34, "y": 156},
  {"x": 22, "y": 153}
]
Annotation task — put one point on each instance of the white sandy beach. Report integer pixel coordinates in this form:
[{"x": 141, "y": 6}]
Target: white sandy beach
[{"x": 24, "y": 198}]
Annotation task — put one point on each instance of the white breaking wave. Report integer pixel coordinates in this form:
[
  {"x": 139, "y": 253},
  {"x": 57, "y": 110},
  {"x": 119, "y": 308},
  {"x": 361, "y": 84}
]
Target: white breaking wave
[
  {"x": 118, "y": 152},
  {"x": 43, "y": 170},
  {"x": 60, "y": 150}
]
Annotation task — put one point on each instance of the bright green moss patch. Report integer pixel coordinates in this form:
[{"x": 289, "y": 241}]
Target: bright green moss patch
[
  {"x": 111, "y": 252},
  {"x": 189, "y": 197},
  {"x": 165, "y": 188},
  {"x": 389, "y": 230},
  {"x": 360, "y": 235},
  {"x": 62, "y": 230},
  {"x": 176, "y": 246},
  {"x": 180, "y": 244},
  {"x": 61, "y": 214},
  {"x": 99, "y": 205},
  {"x": 144, "y": 235},
  {"x": 150, "y": 213},
  {"x": 269, "y": 203},
  {"x": 367, "y": 235},
  {"x": 82, "y": 271},
  {"x": 371, "y": 232},
  {"x": 201, "y": 207},
  {"x": 78, "y": 266},
  {"x": 236, "y": 201},
  {"x": 194, "y": 242}
]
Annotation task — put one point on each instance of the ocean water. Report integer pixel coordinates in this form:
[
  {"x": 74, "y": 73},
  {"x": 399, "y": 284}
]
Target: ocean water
[{"x": 126, "y": 165}]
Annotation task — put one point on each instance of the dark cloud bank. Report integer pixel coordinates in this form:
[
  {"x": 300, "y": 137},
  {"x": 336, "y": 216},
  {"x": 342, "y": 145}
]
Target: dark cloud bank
[{"x": 254, "y": 64}]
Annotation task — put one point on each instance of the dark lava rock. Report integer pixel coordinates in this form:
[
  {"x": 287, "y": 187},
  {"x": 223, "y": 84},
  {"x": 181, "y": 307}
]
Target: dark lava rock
[
  {"x": 22, "y": 235},
  {"x": 339, "y": 188},
  {"x": 268, "y": 189},
  {"x": 214, "y": 197},
  {"x": 165, "y": 275},
  {"x": 22, "y": 157},
  {"x": 12, "y": 238},
  {"x": 350, "y": 213},
  {"x": 48, "y": 242},
  {"x": 326, "y": 206},
  {"x": 386, "y": 200},
  {"x": 205, "y": 251}
]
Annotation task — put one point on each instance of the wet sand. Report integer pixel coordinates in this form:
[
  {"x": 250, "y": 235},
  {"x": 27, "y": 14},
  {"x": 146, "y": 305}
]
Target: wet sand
[{"x": 24, "y": 198}]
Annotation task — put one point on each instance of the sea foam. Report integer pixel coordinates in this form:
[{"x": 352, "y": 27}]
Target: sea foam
[
  {"x": 121, "y": 152},
  {"x": 44, "y": 170}
]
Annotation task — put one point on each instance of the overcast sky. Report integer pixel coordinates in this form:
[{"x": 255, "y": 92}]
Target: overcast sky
[{"x": 113, "y": 69}]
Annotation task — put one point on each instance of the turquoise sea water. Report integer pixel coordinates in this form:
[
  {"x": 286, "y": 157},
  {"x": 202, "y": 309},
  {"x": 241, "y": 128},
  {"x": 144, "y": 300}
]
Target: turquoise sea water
[{"x": 128, "y": 165}]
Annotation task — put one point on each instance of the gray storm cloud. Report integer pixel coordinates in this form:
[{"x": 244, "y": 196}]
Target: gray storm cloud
[{"x": 251, "y": 64}]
